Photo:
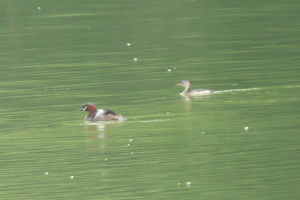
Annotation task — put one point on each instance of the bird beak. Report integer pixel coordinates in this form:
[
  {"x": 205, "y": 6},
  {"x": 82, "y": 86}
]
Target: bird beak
[
  {"x": 178, "y": 84},
  {"x": 82, "y": 109}
]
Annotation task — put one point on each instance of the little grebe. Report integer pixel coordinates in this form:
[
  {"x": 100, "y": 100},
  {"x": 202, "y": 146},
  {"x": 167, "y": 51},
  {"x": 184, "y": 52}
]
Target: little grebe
[
  {"x": 100, "y": 114},
  {"x": 187, "y": 92}
]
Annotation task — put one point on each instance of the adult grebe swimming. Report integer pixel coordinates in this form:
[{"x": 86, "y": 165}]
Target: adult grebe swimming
[
  {"x": 187, "y": 92},
  {"x": 100, "y": 114}
]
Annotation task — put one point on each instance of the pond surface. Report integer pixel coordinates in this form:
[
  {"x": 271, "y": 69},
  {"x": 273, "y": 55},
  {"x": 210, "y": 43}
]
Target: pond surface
[{"x": 128, "y": 56}]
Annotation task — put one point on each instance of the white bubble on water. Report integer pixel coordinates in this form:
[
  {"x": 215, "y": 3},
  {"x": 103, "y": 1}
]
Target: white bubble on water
[{"x": 188, "y": 184}]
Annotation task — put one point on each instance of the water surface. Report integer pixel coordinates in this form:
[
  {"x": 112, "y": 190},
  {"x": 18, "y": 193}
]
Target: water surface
[{"x": 58, "y": 55}]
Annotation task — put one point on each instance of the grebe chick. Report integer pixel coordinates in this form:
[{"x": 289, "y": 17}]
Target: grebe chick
[
  {"x": 100, "y": 114},
  {"x": 187, "y": 92}
]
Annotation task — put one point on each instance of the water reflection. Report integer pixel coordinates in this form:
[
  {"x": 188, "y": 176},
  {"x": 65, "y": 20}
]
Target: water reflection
[
  {"x": 188, "y": 98},
  {"x": 96, "y": 137},
  {"x": 96, "y": 126},
  {"x": 96, "y": 134}
]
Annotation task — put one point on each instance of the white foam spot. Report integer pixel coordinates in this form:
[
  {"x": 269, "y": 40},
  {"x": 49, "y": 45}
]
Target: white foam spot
[
  {"x": 135, "y": 59},
  {"x": 128, "y": 44},
  {"x": 46, "y": 173},
  {"x": 188, "y": 184},
  {"x": 246, "y": 128},
  {"x": 71, "y": 177}
]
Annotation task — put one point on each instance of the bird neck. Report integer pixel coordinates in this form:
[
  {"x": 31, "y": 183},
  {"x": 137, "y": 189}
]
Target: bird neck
[
  {"x": 186, "y": 89},
  {"x": 91, "y": 109}
]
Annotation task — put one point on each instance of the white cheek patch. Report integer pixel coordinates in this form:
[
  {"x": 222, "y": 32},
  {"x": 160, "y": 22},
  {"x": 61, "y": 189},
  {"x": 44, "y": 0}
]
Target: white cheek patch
[{"x": 84, "y": 108}]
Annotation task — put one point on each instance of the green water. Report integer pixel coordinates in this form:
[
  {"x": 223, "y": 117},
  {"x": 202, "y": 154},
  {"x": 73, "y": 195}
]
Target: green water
[{"x": 56, "y": 58}]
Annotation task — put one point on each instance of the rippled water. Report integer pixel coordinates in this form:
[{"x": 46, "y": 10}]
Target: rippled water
[{"x": 57, "y": 55}]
